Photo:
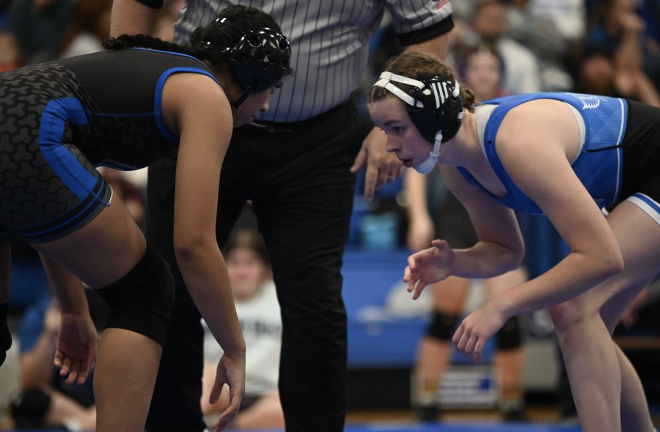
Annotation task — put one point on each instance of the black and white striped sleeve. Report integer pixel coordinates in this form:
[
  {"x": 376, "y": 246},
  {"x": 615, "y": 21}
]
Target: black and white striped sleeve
[{"x": 417, "y": 21}]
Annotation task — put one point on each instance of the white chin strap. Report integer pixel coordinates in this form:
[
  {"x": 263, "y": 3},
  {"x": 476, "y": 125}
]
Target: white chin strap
[{"x": 427, "y": 165}]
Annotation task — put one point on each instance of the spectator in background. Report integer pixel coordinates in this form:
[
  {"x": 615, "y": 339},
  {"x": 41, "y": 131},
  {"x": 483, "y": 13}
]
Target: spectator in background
[
  {"x": 39, "y": 27},
  {"x": 482, "y": 69},
  {"x": 649, "y": 11},
  {"x": 4, "y": 13},
  {"x": 567, "y": 18},
  {"x": 613, "y": 58},
  {"x": 90, "y": 25},
  {"x": 552, "y": 30},
  {"x": 10, "y": 53},
  {"x": 522, "y": 69},
  {"x": 248, "y": 266},
  {"x": 651, "y": 45}
]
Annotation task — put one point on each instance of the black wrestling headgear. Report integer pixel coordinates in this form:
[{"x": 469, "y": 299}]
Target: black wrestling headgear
[
  {"x": 259, "y": 60},
  {"x": 434, "y": 104}
]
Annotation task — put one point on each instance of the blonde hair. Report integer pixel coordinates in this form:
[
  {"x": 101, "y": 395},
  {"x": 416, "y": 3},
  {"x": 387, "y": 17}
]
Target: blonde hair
[{"x": 420, "y": 66}]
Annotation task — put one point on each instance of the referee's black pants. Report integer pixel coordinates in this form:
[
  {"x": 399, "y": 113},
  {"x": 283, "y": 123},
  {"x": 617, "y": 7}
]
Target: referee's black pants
[{"x": 297, "y": 176}]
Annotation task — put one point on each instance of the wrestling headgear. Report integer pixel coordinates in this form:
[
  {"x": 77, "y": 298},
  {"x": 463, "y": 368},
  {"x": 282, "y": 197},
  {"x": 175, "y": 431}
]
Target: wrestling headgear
[
  {"x": 259, "y": 60},
  {"x": 435, "y": 108}
]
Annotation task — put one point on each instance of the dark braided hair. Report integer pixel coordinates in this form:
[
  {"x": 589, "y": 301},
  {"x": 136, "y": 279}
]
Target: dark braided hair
[
  {"x": 144, "y": 41},
  {"x": 219, "y": 35}
]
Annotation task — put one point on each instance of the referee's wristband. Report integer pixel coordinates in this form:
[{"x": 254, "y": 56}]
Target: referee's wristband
[
  {"x": 428, "y": 33},
  {"x": 154, "y": 4}
]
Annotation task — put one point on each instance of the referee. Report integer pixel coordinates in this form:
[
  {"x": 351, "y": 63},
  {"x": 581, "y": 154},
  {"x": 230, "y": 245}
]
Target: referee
[{"x": 296, "y": 164}]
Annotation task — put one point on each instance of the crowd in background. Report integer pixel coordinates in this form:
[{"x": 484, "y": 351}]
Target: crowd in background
[{"x": 500, "y": 47}]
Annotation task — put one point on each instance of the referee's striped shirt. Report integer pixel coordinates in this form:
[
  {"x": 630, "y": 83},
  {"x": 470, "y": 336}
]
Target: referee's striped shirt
[{"x": 329, "y": 43}]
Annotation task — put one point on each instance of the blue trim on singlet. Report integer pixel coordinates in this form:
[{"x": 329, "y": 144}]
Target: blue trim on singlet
[
  {"x": 605, "y": 125},
  {"x": 654, "y": 205},
  {"x": 161, "y": 83},
  {"x": 109, "y": 163},
  {"x": 74, "y": 217},
  {"x": 60, "y": 159},
  {"x": 158, "y": 96}
]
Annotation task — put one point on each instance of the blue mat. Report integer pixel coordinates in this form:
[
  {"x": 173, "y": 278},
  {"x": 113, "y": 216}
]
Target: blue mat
[
  {"x": 475, "y": 427},
  {"x": 463, "y": 427}
]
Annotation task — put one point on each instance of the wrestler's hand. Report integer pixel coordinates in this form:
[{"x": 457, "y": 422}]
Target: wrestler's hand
[
  {"x": 77, "y": 344},
  {"x": 230, "y": 371},
  {"x": 477, "y": 328},
  {"x": 382, "y": 167},
  {"x": 428, "y": 267}
]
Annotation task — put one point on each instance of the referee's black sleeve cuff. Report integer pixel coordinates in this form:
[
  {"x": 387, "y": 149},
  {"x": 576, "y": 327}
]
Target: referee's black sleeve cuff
[
  {"x": 425, "y": 34},
  {"x": 154, "y": 4}
]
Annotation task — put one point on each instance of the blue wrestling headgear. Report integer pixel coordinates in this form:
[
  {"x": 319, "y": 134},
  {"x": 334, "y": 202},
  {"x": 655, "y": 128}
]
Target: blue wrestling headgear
[
  {"x": 259, "y": 60},
  {"x": 435, "y": 108}
]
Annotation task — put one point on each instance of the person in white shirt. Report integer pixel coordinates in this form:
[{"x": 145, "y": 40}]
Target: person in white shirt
[{"x": 258, "y": 311}]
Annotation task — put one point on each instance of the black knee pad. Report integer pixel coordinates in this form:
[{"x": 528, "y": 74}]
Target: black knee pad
[
  {"x": 510, "y": 337},
  {"x": 5, "y": 335},
  {"x": 142, "y": 300},
  {"x": 442, "y": 326}
]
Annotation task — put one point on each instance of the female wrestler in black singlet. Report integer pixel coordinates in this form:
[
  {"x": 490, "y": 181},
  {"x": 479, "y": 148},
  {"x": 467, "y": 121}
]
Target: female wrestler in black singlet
[{"x": 126, "y": 108}]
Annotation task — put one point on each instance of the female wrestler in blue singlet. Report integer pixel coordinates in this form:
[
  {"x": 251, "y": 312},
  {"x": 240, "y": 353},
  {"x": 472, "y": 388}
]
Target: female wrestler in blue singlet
[
  {"x": 126, "y": 108},
  {"x": 567, "y": 156}
]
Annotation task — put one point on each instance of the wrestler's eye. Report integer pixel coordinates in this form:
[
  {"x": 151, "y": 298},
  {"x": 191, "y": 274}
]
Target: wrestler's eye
[{"x": 398, "y": 129}]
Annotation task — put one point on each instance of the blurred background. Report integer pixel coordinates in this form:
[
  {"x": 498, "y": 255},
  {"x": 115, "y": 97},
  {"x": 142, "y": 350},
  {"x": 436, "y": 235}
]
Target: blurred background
[{"x": 608, "y": 47}]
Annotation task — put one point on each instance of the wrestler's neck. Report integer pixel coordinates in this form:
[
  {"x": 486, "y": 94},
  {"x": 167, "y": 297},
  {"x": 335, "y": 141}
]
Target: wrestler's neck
[
  {"x": 224, "y": 76},
  {"x": 464, "y": 149}
]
